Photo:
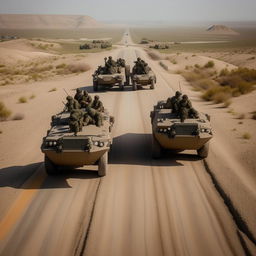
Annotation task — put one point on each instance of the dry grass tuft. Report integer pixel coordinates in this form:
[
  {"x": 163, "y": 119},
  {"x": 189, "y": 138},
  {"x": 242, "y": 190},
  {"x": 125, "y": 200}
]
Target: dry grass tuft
[
  {"x": 18, "y": 116},
  {"x": 78, "y": 67},
  {"x": 246, "y": 136},
  {"x": 4, "y": 112},
  {"x": 22, "y": 100},
  {"x": 53, "y": 90},
  {"x": 153, "y": 55},
  {"x": 254, "y": 115},
  {"x": 241, "y": 116},
  {"x": 32, "y": 96},
  {"x": 209, "y": 64}
]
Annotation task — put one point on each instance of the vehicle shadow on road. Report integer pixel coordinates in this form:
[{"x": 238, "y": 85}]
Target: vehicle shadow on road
[
  {"x": 135, "y": 149},
  {"x": 89, "y": 89},
  {"x": 21, "y": 177}
]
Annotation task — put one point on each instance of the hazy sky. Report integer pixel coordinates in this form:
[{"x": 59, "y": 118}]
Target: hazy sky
[{"x": 155, "y": 10}]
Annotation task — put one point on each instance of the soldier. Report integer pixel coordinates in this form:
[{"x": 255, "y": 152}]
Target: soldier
[
  {"x": 173, "y": 102},
  {"x": 95, "y": 115},
  {"x": 186, "y": 110},
  {"x": 71, "y": 104},
  {"x": 78, "y": 95},
  {"x": 97, "y": 104},
  {"x": 86, "y": 100},
  {"x": 111, "y": 62},
  {"x": 76, "y": 121},
  {"x": 88, "y": 119}
]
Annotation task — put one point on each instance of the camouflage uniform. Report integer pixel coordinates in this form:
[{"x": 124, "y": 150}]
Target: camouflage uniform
[
  {"x": 78, "y": 95},
  {"x": 97, "y": 104},
  {"x": 95, "y": 115},
  {"x": 71, "y": 104},
  {"x": 86, "y": 100},
  {"x": 173, "y": 102},
  {"x": 186, "y": 110},
  {"x": 76, "y": 121}
]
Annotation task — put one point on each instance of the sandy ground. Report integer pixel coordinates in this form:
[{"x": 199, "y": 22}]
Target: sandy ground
[{"x": 142, "y": 206}]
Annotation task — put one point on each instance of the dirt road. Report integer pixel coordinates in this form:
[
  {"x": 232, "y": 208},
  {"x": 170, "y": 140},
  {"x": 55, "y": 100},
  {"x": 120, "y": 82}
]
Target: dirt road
[{"x": 142, "y": 207}]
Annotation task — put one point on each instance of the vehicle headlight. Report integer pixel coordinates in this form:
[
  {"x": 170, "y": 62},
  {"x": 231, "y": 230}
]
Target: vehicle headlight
[
  {"x": 165, "y": 130},
  {"x": 101, "y": 144},
  {"x": 96, "y": 143},
  {"x": 161, "y": 130},
  {"x": 50, "y": 143},
  {"x": 169, "y": 128}
]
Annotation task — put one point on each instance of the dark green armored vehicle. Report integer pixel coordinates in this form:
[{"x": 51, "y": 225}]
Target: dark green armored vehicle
[
  {"x": 89, "y": 147},
  {"x": 169, "y": 133}
]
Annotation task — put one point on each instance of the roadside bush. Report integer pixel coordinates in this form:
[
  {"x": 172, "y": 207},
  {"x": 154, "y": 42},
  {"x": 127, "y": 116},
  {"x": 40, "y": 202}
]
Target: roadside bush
[
  {"x": 153, "y": 55},
  {"x": 254, "y": 115},
  {"x": 4, "y": 112},
  {"x": 53, "y": 90},
  {"x": 217, "y": 94},
  {"x": 63, "y": 65},
  {"x": 18, "y": 116},
  {"x": 23, "y": 100},
  {"x": 246, "y": 136},
  {"x": 209, "y": 64}
]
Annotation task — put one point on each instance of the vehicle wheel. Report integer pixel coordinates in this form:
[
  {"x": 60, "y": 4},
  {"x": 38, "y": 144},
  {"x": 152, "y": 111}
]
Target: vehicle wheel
[
  {"x": 121, "y": 86},
  {"x": 203, "y": 151},
  {"x": 127, "y": 82},
  {"x": 103, "y": 165},
  {"x": 156, "y": 148},
  {"x": 95, "y": 86},
  {"x": 134, "y": 86},
  {"x": 152, "y": 84},
  {"x": 50, "y": 167}
]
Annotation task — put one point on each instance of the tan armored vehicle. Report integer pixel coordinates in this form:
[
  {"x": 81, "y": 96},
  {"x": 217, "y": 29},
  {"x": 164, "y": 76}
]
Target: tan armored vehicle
[
  {"x": 109, "y": 76},
  {"x": 89, "y": 147},
  {"x": 142, "y": 76},
  {"x": 169, "y": 133}
]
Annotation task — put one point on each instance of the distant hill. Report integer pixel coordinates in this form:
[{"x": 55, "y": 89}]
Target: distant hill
[
  {"x": 221, "y": 29},
  {"x": 29, "y": 21}
]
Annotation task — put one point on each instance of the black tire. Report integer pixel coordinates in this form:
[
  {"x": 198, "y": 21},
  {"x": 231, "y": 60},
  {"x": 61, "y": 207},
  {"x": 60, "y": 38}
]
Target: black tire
[
  {"x": 203, "y": 151},
  {"x": 156, "y": 148},
  {"x": 103, "y": 165},
  {"x": 95, "y": 86},
  {"x": 50, "y": 167},
  {"x": 152, "y": 85},
  {"x": 121, "y": 86},
  {"x": 127, "y": 80},
  {"x": 134, "y": 86}
]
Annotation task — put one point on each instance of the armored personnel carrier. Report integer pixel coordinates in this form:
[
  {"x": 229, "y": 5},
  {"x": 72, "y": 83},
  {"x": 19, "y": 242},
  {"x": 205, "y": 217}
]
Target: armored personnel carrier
[
  {"x": 169, "y": 133},
  {"x": 89, "y": 147},
  {"x": 110, "y": 76},
  {"x": 143, "y": 78}
]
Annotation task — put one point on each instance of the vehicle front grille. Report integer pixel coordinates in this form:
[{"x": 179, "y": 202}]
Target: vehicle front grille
[{"x": 75, "y": 143}]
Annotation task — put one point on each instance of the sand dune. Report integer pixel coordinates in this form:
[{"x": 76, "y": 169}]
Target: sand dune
[{"x": 24, "y": 21}]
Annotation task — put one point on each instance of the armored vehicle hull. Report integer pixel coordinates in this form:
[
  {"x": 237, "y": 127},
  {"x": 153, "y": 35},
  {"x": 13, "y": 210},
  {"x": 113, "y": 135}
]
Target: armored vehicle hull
[
  {"x": 120, "y": 79},
  {"x": 89, "y": 147},
  {"x": 143, "y": 80},
  {"x": 169, "y": 133}
]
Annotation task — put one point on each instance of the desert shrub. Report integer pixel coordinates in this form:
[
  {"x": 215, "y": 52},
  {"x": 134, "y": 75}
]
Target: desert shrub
[
  {"x": 241, "y": 116},
  {"x": 60, "y": 66},
  {"x": 1, "y": 131},
  {"x": 197, "y": 66},
  {"x": 174, "y": 62},
  {"x": 32, "y": 96},
  {"x": 18, "y": 116},
  {"x": 227, "y": 103},
  {"x": 53, "y": 90},
  {"x": 209, "y": 64},
  {"x": 254, "y": 115},
  {"x": 23, "y": 100},
  {"x": 217, "y": 94},
  {"x": 246, "y": 136},
  {"x": 78, "y": 67},
  {"x": 224, "y": 72},
  {"x": 154, "y": 56},
  {"x": 4, "y": 112},
  {"x": 205, "y": 83},
  {"x": 2, "y": 65}
]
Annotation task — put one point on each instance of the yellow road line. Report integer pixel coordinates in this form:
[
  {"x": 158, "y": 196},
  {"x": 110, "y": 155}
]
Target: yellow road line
[{"x": 21, "y": 203}]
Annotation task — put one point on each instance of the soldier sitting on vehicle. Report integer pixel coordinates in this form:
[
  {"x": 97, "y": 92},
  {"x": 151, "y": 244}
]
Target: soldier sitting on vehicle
[
  {"x": 186, "y": 110},
  {"x": 173, "y": 102},
  {"x": 71, "y": 104},
  {"x": 78, "y": 95},
  {"x": 76, "y": 121},
  {"x": 86, "y": 100},
  {"x": 120, "y": 62},
  {"x": 97, "y": 104},
  {"x": 140, "y": 67},
  {"x": 95, "y": 117}
]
